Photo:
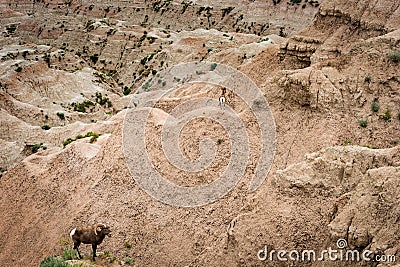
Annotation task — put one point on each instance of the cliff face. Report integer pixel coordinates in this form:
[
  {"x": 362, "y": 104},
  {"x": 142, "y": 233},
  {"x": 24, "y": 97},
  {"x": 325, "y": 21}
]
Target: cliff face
[{"x": 337, "y": 26}]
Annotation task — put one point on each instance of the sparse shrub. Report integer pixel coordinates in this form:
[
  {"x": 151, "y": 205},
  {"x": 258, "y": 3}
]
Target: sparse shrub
[
  {"x": 213, "y": 66},
  {"x": 128, "y": 260},
  {"x": 368, "y": 79},
  {"x": 295, "y": 1},
  {"x": 375, "y": 106},
  {"x": 329, "y": 64},
  {"x": 387, "y": 116},
  {"x": 219, "y": 141},
  {"x": 81, "y": 107},
  {"x": 395, "y": 56},
  {"x": 36, "y": 147},
  {"x": 61, "y": 115},
  {"x": 363, "y": 123},
  {"x": 154, "y": 72},
  {"x": 68, "y": 141},
  {"x": 93, "y": 138},
  {"x": 53, "y": 262},
  {"x": 398, "y": 116},
  {"x": 69, "y": 254},
  {"x": 209, "y": 50},
  {"x": 347, "y": 142},
  {"x": 46, "y": 127},
  {"x": 94, "y": 58},
  {"x": 127, "y": 90},
  {"x": 18, "y": 69},
  {"x": 127, "y": 245},
  {"x": 11, "y": 28}
]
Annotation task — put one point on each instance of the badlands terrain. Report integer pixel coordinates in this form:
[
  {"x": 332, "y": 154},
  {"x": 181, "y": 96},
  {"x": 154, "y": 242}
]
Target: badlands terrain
[{"x": 71, "y": 70}]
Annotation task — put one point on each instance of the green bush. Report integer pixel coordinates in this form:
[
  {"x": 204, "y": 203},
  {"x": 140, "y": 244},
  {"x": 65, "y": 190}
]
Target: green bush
[
  {"x": 69, "y": 254},
  {"x": 46, "y": 127},
  {"x": 213, "y": 66},
  {"x": 363, "y": 123},
  {"x": 127, "y": 90},
  {"x": 61, "y": 115},
  {"x": 387, "y": 116},
  {"x": 36, "y": 147},
  {"x": 19, "y": 69},
  {"x": 53, "y": 262},
  {"x": 68, "y": 141},
  {"x": 395, "y": 56},
  {"x": 11, "y": 28},
  {"x": 128, "y": 260},
  {"x": 368, "y": 79},
  {"x": 375, "y": 107},
  {"x": 127, "y": 245},
  {"x": 94, "y": 58}
]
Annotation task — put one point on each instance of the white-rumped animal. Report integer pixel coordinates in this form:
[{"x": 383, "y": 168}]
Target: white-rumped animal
[
  {"x": 222, "y": 101},
  {"x": 93, "y": 235}
]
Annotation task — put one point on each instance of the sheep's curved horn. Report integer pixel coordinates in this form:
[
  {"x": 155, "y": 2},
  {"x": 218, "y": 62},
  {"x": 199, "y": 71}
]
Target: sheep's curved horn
[{"x": 97, "y": 225}]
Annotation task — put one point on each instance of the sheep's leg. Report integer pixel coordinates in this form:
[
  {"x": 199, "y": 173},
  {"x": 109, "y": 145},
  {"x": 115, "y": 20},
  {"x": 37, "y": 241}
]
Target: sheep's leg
[
  {"x": 94, "y": 247},
  {"x": 76, "y": 245}
]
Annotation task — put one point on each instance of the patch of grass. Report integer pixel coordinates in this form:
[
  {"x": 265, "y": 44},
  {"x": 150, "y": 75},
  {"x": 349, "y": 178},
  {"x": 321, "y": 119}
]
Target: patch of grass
[
  {"x": 395, "y": 56},
  {"x": 128, "y": 260},
  {"x": 213, "y": 66},
  {"x": 112, "y": 259},
  {"x": 68, "y": 141},
  {"x": 127, "y": 245},
  {"x": 53, "y": 262},
  {"x": 387, "y": 116},
  {"x": 363, "y": 123},
  {"x": 368, "y": 79},
  {"x": 46, "y": 127},
  {"x": 102, "y": 100},
  {"x": 375, "y": 106},
  {"x": 69, "y": 254},
  {"x": 81, "y": 106},
  {"x": 93, "y": 138},
  {"x": 347, "y": 142}
]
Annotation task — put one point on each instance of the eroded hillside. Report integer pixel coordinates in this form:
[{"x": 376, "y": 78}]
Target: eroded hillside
[{"x": 71, "y": 71}]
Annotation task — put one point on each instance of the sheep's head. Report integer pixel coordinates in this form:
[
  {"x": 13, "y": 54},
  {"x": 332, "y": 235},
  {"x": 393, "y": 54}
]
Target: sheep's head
[{"x": 102, "y": 228}]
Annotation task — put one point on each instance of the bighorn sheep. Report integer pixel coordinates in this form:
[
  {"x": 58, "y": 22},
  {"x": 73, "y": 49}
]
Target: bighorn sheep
[
  {"x": 222, "y": 99},
  {"x": 91, "y": 235}
]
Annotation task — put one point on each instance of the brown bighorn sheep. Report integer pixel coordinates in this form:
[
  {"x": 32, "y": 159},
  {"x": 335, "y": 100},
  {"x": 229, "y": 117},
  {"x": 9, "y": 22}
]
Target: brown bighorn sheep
[{"x": 90, "y": 235}]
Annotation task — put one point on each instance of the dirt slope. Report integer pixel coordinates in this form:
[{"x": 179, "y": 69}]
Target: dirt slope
[{"x": 331, "y": 177}]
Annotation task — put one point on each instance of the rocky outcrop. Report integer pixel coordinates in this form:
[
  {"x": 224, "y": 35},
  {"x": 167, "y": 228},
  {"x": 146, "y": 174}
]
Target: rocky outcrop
[{"x": 337, "y": 25}]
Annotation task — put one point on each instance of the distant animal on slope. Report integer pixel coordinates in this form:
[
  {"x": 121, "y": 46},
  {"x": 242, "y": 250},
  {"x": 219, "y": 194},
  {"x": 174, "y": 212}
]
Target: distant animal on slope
[
  {"x": 222, "y": 101},
  {"x": 222, "y": 98},
  {"x": 90, "y": 235}
]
